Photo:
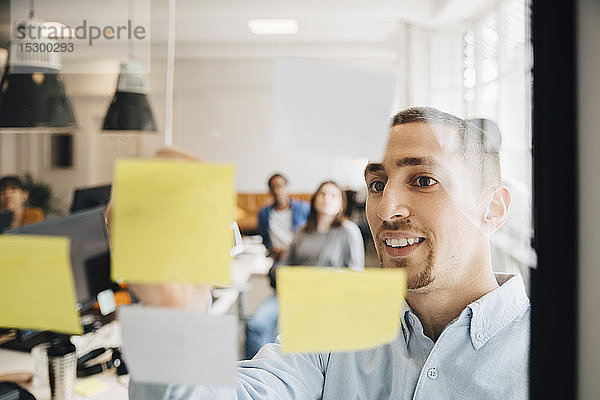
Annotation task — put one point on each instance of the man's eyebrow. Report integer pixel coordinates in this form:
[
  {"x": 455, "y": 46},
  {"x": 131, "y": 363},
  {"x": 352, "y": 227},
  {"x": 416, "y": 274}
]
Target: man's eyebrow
[
  {"x": 400, "y": 163},
  {"x": 414, "y": 162},
  {"x": 373, "y": 167}
]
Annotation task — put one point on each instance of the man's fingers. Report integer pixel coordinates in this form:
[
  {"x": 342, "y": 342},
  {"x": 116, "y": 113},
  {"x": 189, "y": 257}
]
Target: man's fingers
[
  {"x": 175, "y": 153},
  {"x": 176, "y": 295}
]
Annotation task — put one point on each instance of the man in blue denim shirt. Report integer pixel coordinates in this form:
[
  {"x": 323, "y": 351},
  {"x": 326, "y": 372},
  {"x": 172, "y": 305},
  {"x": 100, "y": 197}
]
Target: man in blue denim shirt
[
  {"x": 278, "y": 222},
  {"x": 433, "y": 202}
]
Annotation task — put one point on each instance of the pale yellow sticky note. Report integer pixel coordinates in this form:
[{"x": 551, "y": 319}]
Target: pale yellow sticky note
[
  {"x": 327, "y": 309},
  {"x": 37, "y": 284},
  {"x": 90, "y": 386},
  {"x": 171, "y": 221}
]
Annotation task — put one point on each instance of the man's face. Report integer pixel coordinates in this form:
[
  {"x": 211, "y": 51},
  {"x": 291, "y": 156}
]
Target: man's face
[
  {"x": 12, "y": 198},
  {"x": 279, "y": 190},
  {"x": 422, "y": 207}
]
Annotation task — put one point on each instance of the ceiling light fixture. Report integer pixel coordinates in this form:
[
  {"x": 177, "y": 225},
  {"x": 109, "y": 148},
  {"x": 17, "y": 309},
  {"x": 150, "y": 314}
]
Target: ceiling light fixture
[
  {"x": 57, "y": 30},
  {"x": 273, "y": 26},
  {"x": 33, "y": 97},
  {"x": 129, "y": 109}
]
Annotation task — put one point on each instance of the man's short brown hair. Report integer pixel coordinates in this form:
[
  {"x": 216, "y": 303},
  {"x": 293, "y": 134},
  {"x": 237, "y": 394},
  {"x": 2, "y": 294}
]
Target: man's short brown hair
[
  {"x": 479, "y": 140},
  {"x": 272, "y": 177}
]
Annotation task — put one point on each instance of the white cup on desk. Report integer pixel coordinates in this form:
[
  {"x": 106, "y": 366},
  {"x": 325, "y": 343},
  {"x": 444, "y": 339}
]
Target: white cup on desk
[{"x": 39, "y": 354}]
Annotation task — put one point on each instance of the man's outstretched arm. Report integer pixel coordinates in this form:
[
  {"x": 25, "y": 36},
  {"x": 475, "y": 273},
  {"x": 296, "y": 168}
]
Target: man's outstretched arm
[{"x": 269, "y": 375}]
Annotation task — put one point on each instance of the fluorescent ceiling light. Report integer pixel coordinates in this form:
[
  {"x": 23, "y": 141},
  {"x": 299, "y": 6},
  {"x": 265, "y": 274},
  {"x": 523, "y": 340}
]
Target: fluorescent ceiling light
[{"x": 273, "y": 26}]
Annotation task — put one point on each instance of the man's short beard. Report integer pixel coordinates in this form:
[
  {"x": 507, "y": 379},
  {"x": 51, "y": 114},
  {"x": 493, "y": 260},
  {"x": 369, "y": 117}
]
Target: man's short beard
[{"x": 425, "y": 277}]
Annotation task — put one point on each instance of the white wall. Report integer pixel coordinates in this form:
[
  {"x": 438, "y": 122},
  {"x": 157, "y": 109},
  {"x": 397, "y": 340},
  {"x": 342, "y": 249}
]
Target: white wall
[
  {"x": 588, "y": 29},
  {"x": 223, "y": 113},
  {"x": 223, "y": 110}
]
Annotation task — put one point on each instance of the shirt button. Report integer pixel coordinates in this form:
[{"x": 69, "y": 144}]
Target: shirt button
[
  {"x": 479, "y": 335},
  {"x": 432, "y": 373}
]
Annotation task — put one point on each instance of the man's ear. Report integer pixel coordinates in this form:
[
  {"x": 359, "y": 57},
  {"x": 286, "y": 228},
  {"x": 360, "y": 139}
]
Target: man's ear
[
  {"x": 498, "y": 206},
  {"x": 25, "y": 195}
]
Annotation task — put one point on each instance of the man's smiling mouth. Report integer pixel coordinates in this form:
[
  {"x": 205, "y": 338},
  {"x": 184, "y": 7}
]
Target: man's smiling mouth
[{"x": 403, "y": 242}]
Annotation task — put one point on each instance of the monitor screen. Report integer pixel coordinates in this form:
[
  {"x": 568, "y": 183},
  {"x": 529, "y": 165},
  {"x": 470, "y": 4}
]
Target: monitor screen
[
  {"x": 90, "y": 253},
  {"x": 84, "y": 199}
]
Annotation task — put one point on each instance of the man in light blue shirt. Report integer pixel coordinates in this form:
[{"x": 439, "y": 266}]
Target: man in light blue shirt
[{"x": 433, "y": 202}]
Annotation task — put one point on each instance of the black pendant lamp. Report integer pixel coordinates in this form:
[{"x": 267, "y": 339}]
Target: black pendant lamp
[
  {"x": 129, "y": 109},
  {"x": 33, "y": 97}
]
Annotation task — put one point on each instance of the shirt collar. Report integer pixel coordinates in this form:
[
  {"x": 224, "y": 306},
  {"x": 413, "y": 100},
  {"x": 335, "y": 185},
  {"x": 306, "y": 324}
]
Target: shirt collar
[
  {"x": 488, "y": 315},
  {"x": 406, "y": 316},
  {"x": 496, "y": 310}
]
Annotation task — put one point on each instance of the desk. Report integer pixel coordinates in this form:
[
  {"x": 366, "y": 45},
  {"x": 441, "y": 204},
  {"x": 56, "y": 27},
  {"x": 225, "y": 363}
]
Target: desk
[
  {"x": 242, "y": 268},
  {"x": 251, "y": 262},
  {"x": 108, "y": 335}
]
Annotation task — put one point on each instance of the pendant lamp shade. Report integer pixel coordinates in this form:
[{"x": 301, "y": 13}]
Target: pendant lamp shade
[
  {"x": 32, "y": 92},
  {"x": 129, "y": 109},
  {"x": 34, "y": 100}
]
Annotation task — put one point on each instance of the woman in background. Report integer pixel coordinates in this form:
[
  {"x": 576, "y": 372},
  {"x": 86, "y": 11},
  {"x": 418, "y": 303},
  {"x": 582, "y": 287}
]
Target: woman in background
[
  {"x": 13, "y": 198},
  {"x": 327, "y": 240}
]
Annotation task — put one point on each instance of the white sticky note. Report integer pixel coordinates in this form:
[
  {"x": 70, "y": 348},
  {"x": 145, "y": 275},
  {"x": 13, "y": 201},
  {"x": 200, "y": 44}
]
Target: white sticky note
[{"x": 166, "y": 345}]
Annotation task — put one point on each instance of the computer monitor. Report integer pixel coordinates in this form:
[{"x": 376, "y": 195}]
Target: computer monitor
[
  {"x": 5, "y": 220},
  {"x": 91, "y": 197},
  {"x": 90, "y": 252}
]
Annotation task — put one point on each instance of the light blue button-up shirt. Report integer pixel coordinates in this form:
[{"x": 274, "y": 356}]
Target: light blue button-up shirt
[{"x": 482, "y": 354}]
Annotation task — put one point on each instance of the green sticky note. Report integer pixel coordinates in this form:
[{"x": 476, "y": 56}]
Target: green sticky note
[
  {"x": 329, "y": 309},
  {"x": 38, "y": 290},
  {"x": 171, "y": 221}
]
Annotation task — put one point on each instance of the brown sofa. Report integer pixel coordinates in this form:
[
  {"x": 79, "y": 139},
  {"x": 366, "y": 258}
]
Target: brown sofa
[{"x": 249, "y": 204}]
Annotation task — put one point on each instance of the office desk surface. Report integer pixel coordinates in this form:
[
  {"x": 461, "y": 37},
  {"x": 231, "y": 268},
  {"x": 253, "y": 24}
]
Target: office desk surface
[
  {"x": 108, "y": 336},
  {"x": 116, "y": 388}
]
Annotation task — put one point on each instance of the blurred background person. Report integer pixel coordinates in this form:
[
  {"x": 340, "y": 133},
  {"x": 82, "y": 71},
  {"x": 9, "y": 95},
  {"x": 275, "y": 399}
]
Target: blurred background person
[
  {"x": 13, "y": 198},
  {"x": 327, "y": 240},
  {"x": 278, "y": 222}
]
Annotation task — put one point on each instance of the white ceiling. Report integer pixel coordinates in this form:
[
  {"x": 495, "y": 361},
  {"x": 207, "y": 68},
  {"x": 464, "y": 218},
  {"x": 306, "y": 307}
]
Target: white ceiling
[{"x": 225, "y": 21}]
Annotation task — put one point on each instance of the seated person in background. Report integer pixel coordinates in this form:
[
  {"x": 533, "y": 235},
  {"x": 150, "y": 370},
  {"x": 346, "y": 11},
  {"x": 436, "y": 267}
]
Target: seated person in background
[
  {"x": 327, "y": 240},
  {"x": 278, "y": 221},
  {"x": 13, "y": 196},
  {"x": 432, "y": 204}
]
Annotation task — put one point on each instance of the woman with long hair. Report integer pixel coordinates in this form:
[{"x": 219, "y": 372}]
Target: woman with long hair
[{"x": 327, "y": 240}]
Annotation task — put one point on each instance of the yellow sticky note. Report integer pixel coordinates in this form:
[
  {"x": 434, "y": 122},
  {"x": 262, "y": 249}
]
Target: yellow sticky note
[
  {"x": 171, "y": 221},
  {"x": 327, "y": 309},
  {"x": 90, "y": 386},
  {"x": 37, "y": 284}
]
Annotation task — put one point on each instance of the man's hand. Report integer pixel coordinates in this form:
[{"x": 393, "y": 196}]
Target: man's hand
[{"x": 177, "y": 295}]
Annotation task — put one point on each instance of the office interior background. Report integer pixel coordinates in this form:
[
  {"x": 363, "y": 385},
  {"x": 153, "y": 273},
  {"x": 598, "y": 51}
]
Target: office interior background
[
  {"x": 468, "y": 59},
  {"x": 472, "y": 59}
]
